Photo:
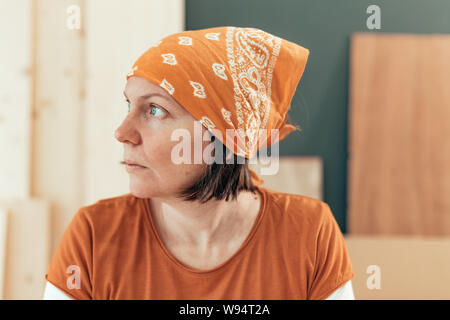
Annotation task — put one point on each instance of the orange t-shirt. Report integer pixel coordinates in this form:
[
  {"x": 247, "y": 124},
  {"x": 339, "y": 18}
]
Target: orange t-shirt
[{"x": 295, "y": 250}]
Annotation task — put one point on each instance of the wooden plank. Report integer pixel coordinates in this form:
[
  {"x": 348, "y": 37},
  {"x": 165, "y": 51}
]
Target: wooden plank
[
  {"x": 115, "y": 38},
  {"x": 296, "y": 174},
  {"x": 410, "y": 267},
  {"x": 15, "y": 98},
  {"x": 57, "y": 128},
  {"x": 399, "y": 150},
  {"x": 27, "y": 248},
  {"x": 3, "y": 235}
]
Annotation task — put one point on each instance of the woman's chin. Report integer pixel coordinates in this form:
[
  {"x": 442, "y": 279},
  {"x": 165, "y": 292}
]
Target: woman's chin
[
  {"x": 145, "y": 190},
  {"x": 138, "y": 193},
  {"x": 142, "y": 190}
]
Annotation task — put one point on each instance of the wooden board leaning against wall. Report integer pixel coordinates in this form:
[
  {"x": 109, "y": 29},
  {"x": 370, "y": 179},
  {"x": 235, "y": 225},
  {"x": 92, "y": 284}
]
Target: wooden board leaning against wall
[{"x": 399, "y": 151}]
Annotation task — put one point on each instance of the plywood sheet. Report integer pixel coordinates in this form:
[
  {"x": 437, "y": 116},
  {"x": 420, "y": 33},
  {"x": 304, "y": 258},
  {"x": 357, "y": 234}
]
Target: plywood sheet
[
  {"x": 410, "y": 267},
  {"x": 293, "y": 174},
  {"x": 57, "y": 161},
  {"x": 3, "y": 235},
  {"x": 27, "y": 248},
  {"x": 15, "y": 98},
  {"x": 399, "y": 148}
]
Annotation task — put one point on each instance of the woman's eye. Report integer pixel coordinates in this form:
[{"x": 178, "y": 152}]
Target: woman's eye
[
  {"x": 154, "y": 110},
  {"x": 158, "y": 110}
]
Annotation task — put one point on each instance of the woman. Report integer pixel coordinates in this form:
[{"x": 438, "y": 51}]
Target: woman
[{"x": 195, "y": 229}]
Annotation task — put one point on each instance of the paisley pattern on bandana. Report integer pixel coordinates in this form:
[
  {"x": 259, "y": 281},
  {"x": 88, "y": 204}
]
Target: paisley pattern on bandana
[
  {"x": 166, "y": 85},
  {"x": 219, "y": 70},
  {"x": 186, "y": 41},
  {"x": 251, "y": 63},
  {"x": 169, "y": 58}
]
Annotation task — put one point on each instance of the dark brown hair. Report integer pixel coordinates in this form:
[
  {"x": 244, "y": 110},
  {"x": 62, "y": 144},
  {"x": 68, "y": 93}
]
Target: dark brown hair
[{"x": 221, "y": 180}]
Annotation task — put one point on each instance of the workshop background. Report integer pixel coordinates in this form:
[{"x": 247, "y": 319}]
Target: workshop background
[{"x": 373, "y": 105}]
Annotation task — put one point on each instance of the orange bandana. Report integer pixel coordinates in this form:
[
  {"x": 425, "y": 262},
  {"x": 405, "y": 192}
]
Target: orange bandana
[{"x": 239, "y": 81}]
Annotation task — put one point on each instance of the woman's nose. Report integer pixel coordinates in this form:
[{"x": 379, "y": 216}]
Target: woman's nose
[
  {"x": 127, "y": 132},
  {"x": 118, "y": 134}
]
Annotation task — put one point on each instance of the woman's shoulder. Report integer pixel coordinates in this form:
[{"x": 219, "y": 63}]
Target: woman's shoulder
[
  {"x": 301, "y": 208},
  {"x": 108, "y": 220},
  {"x": 107, "y": 210}
]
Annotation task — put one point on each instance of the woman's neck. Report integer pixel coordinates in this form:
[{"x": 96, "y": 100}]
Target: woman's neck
[{"x": 207, "y": 225}]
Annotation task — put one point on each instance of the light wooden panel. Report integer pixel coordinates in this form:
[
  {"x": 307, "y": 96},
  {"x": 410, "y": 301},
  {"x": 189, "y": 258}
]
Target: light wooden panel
[
  {"x": 411, "y": 267},
  {"x": 3, "y": 239},
  {"x": 296, "y": 174},
  {"x": 15, "y": 97},
  {"x": 115, "y": 38},
  {"x": 58, "y": 128},
  {"x": 27, "y": 248},
  {"x": 399, "y": 164}
]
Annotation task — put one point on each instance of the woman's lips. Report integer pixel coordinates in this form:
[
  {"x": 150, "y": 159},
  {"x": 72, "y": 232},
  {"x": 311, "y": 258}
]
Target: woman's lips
[
  {"x": 134, "y": 167},
  {"x": 135, "y": 164}
]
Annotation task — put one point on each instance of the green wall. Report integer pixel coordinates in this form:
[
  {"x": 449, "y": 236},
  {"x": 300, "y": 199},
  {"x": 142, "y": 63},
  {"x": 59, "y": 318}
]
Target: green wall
[{"x": 320, "y": 105}]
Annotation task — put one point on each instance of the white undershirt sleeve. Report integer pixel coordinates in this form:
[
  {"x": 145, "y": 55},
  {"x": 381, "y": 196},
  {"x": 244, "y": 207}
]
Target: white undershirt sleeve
[
  {"x": 53, "y": 293},
  {"x": 343, "y": 293}
]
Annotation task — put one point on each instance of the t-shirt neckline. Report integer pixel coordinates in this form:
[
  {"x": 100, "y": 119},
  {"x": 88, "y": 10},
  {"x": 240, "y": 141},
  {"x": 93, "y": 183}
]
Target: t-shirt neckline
[{"x": 224, "y": 264}]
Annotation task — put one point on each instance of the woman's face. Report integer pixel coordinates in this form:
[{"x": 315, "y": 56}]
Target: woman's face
[{"x": 146, "y": 136}]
